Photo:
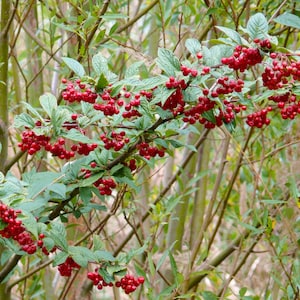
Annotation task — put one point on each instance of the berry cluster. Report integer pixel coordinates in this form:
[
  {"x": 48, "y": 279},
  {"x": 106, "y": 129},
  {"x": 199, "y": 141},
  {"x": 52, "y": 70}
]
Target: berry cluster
[
  {"x": 78, "y": 91},
  {"x": 188, "y": 71},
  {"x": 15, "y": 230},
  {"x": 83, "y": 148},
  {"x": 66, "y": 268},
  {"x": 278, "y": 74},
  {"x": 131, "y": 164},
  {"x": 288, "y": 105},
  {"x": 58, "y": 149},
  {"x": 259, "y": 118},
  {"x": 98, "y": 280},
  {"x": 110, "y": 106},
  {"x": 104, "y": 185},
  {"x": 226, "y": 86},
  {"x": 131, "y": 107},
  {"x": 175, "y": 103},
  {"x": 173, "y": 83},
  {"x": 193, "y": 114},
  {"x": 243, "y": 58},
  {"x": 128, "y": 283},
  {"x": 263, "y": 44},
  {"x": 148, "y": 151},
  {"x": 33, "y": 143},
  {"x": 40, "y": 244},
  {"x": 116, "y": 140}
]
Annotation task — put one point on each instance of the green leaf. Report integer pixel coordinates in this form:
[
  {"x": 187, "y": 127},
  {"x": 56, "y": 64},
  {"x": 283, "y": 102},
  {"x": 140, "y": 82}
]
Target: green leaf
[
  {"x": 162, "y": 259},
  {"x": 60, "y": 258},
  {"x": 100, "y": 66},
  {"x": 82, "y": 255},
  {"x": 106, "y": 276},
  {"x": 193, "y": 45},
  {"x": 113, "y": 269},
  {"x": 39, "y": 182},
  {"x": 59, "y": 189},
  {"x": 48, "y": 243},
  {"x": 173, "y": 267},
  {"x": 232, "y": 34},
  {"x": 24, "y": 120},
  {"x": 161, "y": 95},
  {"x": 48, "y": 103},
  {"x": 288, "y": 19},
  {"x": 74, "y": 65},
  {"x": 102, "y": 82},
  {"x": 209, "y": 296},
  {"x": 102, "y": 157},
  {"x": 151, "y": 83},
  {"x": 89, "y": 181},
  {"x": 97, "y": 243},
  {"x": 102, "y": 255},
  {"x": 116, "y": 168},
  {"x": 85, "y": 193},
  {"x": 2, "y": 177},
  {"x": 133, "y": 70},
  {"x": 209, "y": 115},
  {"x": 77, "y": 136},
  {"x": 167, "y": 61},
  {"x": 113, "y": 16},
  {"x": 58, "y": 234},
  {"x": 29, "y": 222},
  {"x": 257, "y": 26}
]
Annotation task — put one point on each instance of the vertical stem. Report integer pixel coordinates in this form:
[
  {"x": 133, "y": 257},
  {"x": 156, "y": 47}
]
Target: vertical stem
[
  {"x": 178, "y": 217},
  {"x": 200, "y": 195},
  {"x": 34, "y": 58},
  {"x": 5, "y": 12}
]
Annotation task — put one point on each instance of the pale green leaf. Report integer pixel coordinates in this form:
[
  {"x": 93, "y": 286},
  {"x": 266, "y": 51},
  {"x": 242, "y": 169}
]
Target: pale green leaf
[
  {"x": 257, "y": 26},
  {"x": 288, "y": 19},
  {"x": 74, "y": 65}
]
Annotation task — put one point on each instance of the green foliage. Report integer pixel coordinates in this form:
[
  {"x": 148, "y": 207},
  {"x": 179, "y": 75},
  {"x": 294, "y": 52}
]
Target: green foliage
[{"x": 244, "y": 179}]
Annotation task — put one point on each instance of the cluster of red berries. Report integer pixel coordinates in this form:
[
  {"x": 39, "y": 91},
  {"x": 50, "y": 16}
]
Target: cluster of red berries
[
  {"x": 288, "y": 105},
  {"x": 193, "y": 114},
  {"x": 188, "y": 71},
  {"x": 78, "y": 91},
  {"x": 33, "y": 143},
  {"x": 14, "y": 229},
  {"x": 58, "y": 149},
  {"x": 98, "y": 280},
  {"x": 173, "y": 83},
  {"x": 83, "y": 148},
  {"x": 66, "y": 268},
  {"x": 243, "y": 58},
  {"x": 110, "y": 106},
  {"x": 263, "y": 44},
  {"x": 115, "y": 141},
  {"x": 147, "y": 151},
  {"x": 259, "y": 119},
  {"x": 226, "y": 86},
  {"x": 131, "y": 107},
  {"x": 128, "y": 283},
  {"x": 40, "y": 243},
  {"x": 175, "y": 103},
  {"x": 131, "y": 164},
  {"x": 105, "y": 185},
  {"x": 231, "y": 109},
  {"x": 277, "y": 75}
]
